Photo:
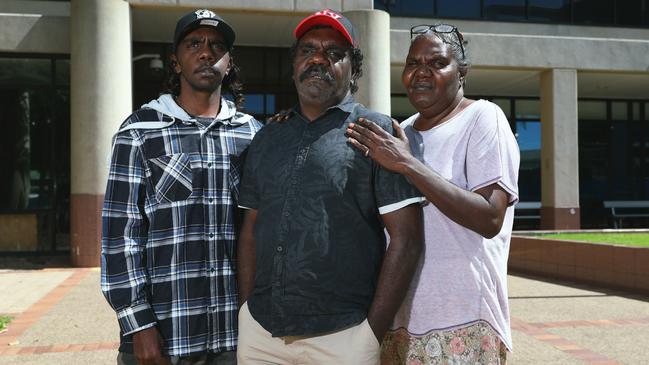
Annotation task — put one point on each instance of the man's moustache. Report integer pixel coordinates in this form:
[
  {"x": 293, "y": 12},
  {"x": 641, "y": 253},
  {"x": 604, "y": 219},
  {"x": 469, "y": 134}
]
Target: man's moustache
[
  {"x": 318, "y": 71},
  {"x": 207, "y": 68},
  {"x": 215, "y": 68}
]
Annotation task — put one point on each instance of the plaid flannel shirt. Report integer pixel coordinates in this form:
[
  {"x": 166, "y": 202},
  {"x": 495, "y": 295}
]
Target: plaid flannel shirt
[{"x": 170, "y": 225}]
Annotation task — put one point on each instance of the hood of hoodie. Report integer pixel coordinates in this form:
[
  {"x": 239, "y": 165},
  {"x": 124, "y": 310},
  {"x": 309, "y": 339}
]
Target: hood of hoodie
[{"x": 166, "y": 105}]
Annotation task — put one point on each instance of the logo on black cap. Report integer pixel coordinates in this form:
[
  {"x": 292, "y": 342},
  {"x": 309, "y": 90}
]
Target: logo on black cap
[{"x": 204, "y": 13}]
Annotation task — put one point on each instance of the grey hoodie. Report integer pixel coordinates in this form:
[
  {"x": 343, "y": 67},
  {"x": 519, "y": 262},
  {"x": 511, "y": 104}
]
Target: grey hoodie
[{"x": 166, "y": 105}]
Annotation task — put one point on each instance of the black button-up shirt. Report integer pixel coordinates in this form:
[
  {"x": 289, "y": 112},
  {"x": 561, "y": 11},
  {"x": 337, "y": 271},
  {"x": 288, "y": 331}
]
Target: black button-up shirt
[{"x": 319, "y": 237}]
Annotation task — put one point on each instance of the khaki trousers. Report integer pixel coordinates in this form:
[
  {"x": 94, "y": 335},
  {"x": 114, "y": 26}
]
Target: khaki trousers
[{"x": 355, "y": 345}]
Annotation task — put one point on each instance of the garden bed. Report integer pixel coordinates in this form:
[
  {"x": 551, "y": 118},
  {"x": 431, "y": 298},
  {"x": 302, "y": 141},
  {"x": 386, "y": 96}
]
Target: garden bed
[{"x": 607, "y": 265}]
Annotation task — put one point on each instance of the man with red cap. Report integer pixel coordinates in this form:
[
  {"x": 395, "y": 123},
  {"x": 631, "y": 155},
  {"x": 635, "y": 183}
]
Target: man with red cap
[{"x": 316, "y": 284}]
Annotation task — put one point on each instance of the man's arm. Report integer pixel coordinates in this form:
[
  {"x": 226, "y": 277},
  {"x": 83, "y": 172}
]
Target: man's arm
[
  {"x": 405, "y": 227},
  {"x": 247, "y": 260},
  {"x": 124, "y": 237}
]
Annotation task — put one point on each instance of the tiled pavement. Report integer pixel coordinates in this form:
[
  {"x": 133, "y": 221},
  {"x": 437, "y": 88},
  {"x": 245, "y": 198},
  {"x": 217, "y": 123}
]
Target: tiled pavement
[{"x": 60, "y": 317}]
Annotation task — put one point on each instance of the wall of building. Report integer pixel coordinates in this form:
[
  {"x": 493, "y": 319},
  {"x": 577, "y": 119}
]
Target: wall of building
[{"x": 512, "y": 45}]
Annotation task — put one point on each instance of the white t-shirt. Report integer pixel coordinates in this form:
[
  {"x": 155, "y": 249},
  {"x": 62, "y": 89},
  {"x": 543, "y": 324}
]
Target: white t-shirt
[{"x": 462, "y": 276}]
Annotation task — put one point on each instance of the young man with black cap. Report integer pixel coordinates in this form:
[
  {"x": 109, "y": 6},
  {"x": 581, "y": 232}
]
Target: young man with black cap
[
  {"x": 316, "y": 282},
  {"x": 170, "y": 211}
]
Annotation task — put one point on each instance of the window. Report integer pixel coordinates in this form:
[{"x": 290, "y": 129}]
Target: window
[
  {"x": 628, "y": 12},
  {"x": 504, "y": 9},
  {"x": 401, "y": 108},
  {"x": 613, "y": 156},
  {"x": 407, "y": 7},
  {"x": 634, "y": 13},
  {"x": 32, "y": 113},
  {"x": 594, "y": 163},
  {"x": 527, "y": 124},
  {"x": 467, "y": 9},
  {"x": 505, "y": 105},
  {"x": 62, "y": 74},
  {"x": 35, "y": 143},
  {"x": 417, "y": 8},
  {"x": 259, "y": 105},
  {"x": 549, "y": 10},
  {"x": 383, "y": 5},
  {"x": 528, "y": 136},
  {"x": 593, "y": 11},
  {"x": 591, "y": 110},
  {"x": 528, "y": 109},
  {"x": 619, "y": 110},
  {"x": 635, "y": 111}
]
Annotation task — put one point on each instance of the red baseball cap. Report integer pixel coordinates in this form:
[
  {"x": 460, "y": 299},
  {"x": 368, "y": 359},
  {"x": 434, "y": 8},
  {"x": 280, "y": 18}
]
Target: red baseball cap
[{"x": 329, "y": 18}]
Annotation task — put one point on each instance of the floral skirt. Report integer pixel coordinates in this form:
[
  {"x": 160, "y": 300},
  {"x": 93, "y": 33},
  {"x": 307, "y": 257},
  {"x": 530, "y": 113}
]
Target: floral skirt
[{"x": 477, "y": 343}]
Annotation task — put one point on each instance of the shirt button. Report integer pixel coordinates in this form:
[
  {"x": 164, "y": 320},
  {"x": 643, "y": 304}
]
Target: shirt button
[
  {"x": 210, "y": 200},
  {"x": 280, "y": 248},
  {"x": 213, "y": 270},
  {"x": 211, "y": 235},
  {"x": 209, "y": 164}
]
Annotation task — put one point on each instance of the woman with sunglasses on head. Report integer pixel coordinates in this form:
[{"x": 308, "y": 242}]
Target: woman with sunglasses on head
[{"x": 461, "y": 154}]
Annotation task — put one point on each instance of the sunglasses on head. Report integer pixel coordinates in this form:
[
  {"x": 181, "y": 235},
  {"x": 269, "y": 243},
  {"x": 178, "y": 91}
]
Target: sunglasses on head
[{"x": 438, "y": 28}]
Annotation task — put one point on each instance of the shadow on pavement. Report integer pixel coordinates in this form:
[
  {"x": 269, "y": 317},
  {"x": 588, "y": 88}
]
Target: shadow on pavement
[
  {"x": 576, "y": 285},
  {"x": 34, "y": 261}
]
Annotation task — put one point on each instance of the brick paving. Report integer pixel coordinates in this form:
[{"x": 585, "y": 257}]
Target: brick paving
[{"x": 35, "y": 334}]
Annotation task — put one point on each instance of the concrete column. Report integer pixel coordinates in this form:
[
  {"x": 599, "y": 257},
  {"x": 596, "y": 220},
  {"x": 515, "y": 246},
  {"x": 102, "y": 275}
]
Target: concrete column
[
  {"x": 373, "y": 33},
  {"x": 559, "y": 150},
  {"x": 100, "y": 55}
]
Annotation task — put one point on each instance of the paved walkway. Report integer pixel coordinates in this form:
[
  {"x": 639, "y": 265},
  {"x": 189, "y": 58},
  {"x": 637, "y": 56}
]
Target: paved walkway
[{"x": 60, "y": 317}]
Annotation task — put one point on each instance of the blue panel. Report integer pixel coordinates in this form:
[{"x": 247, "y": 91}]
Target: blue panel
[
  {"x": 418, "y": 8},
  {"x": 504, "y": 9},
  {"x": 270, "y": 104},
  {"x": 549, "y": 10},
  {"x": 528, "y": 135},
  {"x": 254, "y": 104},
  {"x": 467, "y": 9}
]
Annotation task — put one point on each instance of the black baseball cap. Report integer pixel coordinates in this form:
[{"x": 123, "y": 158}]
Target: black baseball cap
[
  {"x": 203, "y": 18},
  {"x": 328, "y": 18}
]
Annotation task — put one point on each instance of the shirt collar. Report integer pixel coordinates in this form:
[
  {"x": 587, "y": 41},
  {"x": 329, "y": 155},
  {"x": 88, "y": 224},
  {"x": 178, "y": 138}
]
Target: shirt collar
[
  {"x": 347, "y": 105},
  {"x": 227, "y": 112}
]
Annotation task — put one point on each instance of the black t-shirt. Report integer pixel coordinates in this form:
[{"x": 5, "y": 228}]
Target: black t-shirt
[{"x": 319, "y": 236}]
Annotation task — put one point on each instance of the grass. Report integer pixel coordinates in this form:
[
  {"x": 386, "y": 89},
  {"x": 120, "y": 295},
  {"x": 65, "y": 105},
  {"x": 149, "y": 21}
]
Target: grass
[
  {"x": 4, "y": 321},
  {"x": 625, "y": 239}
]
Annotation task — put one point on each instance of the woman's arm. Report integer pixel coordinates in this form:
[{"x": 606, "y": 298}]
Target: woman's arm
[{"x": 482, "y": 211}]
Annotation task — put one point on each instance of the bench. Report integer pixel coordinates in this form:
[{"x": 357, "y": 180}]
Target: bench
[
  {"x": 621, "y": 209},
  {"x": 527, "y": 210}
]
